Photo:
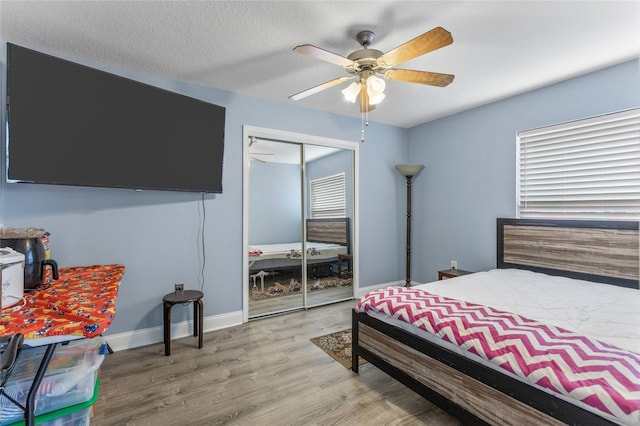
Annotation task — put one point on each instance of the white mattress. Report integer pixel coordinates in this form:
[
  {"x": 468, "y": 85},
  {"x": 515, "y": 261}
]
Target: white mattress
[
  {"x": 280, "y": 251},
  {"x": 605, "y": 312}
]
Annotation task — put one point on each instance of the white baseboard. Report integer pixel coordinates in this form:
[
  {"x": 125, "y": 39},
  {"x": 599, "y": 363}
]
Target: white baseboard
[{"x": 148, "y": 336}]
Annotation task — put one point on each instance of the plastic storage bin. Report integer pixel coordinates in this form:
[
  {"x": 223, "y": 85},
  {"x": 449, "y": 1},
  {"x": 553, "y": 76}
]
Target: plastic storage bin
[
  {"x": 70, "y": 378},
  {"x": 76, "y": 415}
]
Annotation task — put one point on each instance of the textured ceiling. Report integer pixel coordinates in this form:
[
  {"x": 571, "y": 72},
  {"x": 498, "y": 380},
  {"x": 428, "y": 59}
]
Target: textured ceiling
[{"x": 500, "y": 48}]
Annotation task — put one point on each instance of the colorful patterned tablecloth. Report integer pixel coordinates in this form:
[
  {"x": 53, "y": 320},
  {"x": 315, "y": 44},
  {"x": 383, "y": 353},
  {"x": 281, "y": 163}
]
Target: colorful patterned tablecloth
[{"x": 82, "y": 303}]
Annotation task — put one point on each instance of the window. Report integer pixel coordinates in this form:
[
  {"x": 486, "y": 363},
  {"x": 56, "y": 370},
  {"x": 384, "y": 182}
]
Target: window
[
  {"x": 328, "y": 196},
  {"x": 585, "y": 169}
]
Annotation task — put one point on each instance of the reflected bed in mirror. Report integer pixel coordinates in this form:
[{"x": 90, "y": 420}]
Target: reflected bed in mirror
[{"x": 275, "y": 269}]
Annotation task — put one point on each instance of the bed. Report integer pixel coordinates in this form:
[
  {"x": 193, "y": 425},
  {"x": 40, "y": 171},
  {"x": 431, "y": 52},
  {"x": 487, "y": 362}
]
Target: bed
[
  {"x": 602, "y": 255},
  {"x": 326, "y": 239}
]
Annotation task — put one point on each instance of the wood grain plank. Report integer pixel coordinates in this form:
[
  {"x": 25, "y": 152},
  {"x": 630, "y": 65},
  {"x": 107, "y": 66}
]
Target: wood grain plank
[
  {"x": 609, "y": 252},
  {"x": 328, "y": 231},
  {"x": 264, "y": 372},
  {"x": 484, "y": 401}
]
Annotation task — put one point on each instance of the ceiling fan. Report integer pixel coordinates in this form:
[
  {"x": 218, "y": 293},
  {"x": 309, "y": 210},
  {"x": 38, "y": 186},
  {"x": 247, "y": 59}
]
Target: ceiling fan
[
  {"x": 253, "y": 155},
  {"x": 366, "y": 63}
]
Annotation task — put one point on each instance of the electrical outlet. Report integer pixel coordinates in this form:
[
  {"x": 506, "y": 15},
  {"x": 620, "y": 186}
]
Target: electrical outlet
[
  {"x": 179, "y": 288},
  {"x": 454, "y": 264}
]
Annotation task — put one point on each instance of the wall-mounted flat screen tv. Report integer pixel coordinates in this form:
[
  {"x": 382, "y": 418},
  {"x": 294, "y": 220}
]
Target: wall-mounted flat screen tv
[{"x": 69, "y": 124}]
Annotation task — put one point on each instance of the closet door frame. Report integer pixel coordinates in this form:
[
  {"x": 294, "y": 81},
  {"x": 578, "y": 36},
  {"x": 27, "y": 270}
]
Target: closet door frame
[{"x": 304, "y": 140}]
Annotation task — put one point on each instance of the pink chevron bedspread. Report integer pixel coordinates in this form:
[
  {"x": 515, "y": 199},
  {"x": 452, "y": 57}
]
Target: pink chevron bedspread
[{"x": 600, "y": 375}]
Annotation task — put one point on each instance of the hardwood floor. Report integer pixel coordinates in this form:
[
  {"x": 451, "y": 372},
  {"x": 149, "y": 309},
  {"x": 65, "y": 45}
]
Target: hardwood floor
[{"x": 265, "y": 372}]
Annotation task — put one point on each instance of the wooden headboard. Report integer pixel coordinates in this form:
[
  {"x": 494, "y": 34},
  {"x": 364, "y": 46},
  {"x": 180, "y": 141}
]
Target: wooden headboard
[
  {"x": 330, "y": 231},
  {"x": 602, "y": 251}
]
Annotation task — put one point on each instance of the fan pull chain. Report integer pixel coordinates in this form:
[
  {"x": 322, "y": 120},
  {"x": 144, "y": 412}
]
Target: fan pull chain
[{"x": 364, "y": 123}]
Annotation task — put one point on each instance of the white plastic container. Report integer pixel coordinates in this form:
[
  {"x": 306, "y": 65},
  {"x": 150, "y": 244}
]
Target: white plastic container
[{"x": 12, "y": 276}]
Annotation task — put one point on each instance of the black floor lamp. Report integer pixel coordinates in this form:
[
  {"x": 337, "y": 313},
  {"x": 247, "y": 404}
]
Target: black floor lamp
[{"x": 409, "y": 171}]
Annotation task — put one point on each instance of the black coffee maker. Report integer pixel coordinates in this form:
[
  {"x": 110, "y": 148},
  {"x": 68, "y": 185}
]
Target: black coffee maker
[{"x": 29, "y": 241}]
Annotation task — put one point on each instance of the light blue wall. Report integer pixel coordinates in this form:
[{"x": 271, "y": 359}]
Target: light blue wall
[
  {"x": 469, "y": 179},
  {"x": 274, "y": 200},
  {"x": 274, "y": 196},
  {"x": 155, "y": 234}
]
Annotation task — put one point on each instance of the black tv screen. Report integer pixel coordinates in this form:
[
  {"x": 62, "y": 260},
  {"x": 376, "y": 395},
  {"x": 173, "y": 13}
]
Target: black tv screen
[{"x": 69, "y": 124}]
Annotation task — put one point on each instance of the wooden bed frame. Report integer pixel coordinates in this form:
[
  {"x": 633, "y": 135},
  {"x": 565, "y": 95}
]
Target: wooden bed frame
[
  {"x": 328, "y": 231},
  {"x": 331, "y": 231},
  {"x": 602, "y": 251}
]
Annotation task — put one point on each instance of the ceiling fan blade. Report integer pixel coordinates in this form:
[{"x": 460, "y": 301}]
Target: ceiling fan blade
[
  {"x": 364, "y": 100},
  {"x": 325, "y": 55},
  {"x": 425, "y": 43},
  {"x": 319, "y": 88},
  {"x": 422, "y": 77}
]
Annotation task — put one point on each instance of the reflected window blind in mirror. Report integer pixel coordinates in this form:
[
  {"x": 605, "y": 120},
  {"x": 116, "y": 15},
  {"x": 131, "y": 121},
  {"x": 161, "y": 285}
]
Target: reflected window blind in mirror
[{"x": 328, "y": 196}]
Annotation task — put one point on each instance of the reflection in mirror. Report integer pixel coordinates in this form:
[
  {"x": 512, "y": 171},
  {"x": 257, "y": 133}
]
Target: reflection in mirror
[
  {"x": 281, "y": 209},
  {"x": 275, "y": 227},
  {"x": 329, "y": 206}
]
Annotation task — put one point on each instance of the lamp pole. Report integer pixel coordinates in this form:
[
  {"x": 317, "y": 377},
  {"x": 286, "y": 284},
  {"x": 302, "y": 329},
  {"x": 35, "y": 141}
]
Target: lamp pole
[{"x": 409, "y": 171}]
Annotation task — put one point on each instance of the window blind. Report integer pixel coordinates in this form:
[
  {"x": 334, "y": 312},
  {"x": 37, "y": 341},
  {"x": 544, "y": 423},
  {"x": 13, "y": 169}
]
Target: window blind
[
  {"x": 585, "y": 169},
  {"x": 328, "y": 197}
]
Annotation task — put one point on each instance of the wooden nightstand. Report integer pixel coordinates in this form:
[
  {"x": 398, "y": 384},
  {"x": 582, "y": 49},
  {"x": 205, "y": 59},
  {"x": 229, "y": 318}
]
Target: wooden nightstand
[{"x": 452, "y": 273}]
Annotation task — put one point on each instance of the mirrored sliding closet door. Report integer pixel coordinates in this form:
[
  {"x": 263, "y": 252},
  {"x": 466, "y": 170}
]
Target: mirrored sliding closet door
[
  {"x": 275, "y": 227},
  {"x": 299, "y": 210}
]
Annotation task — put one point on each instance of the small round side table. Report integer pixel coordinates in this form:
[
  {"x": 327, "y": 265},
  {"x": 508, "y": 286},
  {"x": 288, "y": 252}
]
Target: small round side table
[{"x": 184, "y": 297}]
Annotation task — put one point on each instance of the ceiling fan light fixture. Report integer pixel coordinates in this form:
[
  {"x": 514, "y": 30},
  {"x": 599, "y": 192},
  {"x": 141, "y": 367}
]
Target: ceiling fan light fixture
[
  {"x": 375, "y": 100},
  {"x": 375, "y": 85},
  {"x": 365, "y": 63},
  {"x": 375, "y": 90},
  {"x": 351, "y": 92}
]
